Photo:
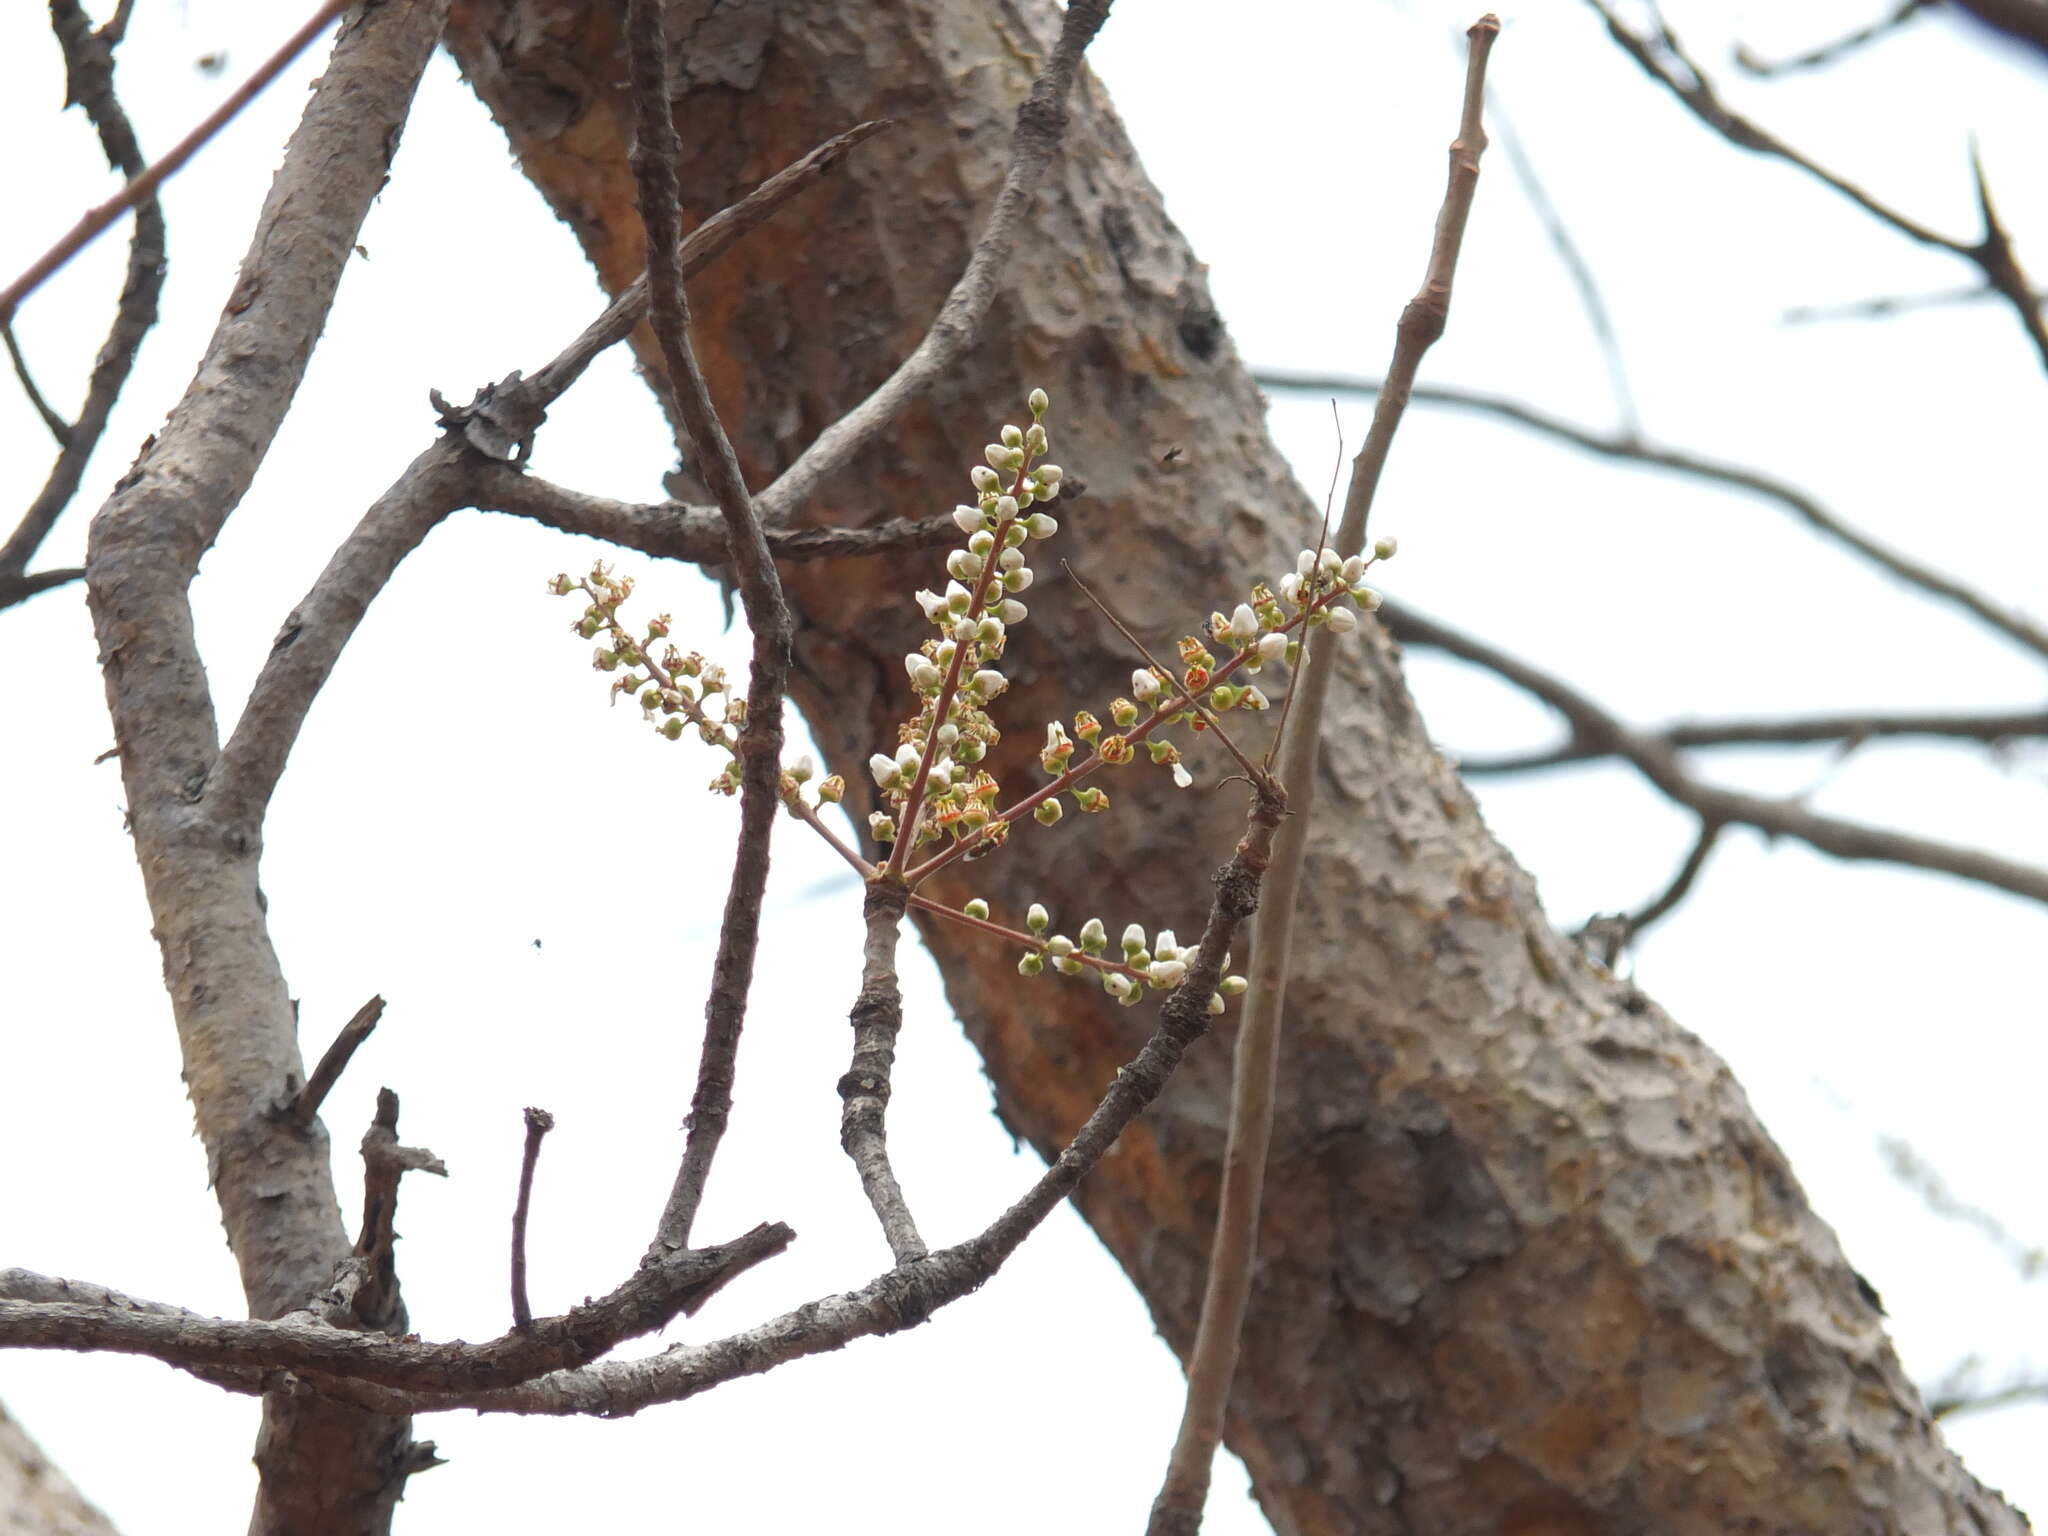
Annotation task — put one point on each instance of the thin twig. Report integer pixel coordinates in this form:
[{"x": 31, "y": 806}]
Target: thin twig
[
  {"x": 1750, "y": 62},
  {"x": 96, "y": 220},
  {"x": 538, "y": 1123},
  {"x": 1888, "y": 304},
  {"x": 864, "y": 1090},
  {"x": 1255, "y": 1067},
  {"x": 335, "y": 1059},
  {"x": 1666, "y": 61},
  {"x": 1611, "y": 934},
  {"x": 89, "y": 81},
  {"x": 1041, "y": 125},
  {"x": 1844, "y": 732},
  {"x": 60, "y": 429},
  {"x": 395, "y": 1376},
  {"x": 759, "y": 745},
  {"x": 1657, "y": 762},
  {"x": 2008, "y": 622}
]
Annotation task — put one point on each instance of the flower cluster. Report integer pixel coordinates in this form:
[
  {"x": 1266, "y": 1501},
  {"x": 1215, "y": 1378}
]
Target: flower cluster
[
  {"x": 1160, "y": 965},
  {"x": 938, "y": 795},
  {"x": 676, "y": 693},
  {"x": 933, "y": 784}
]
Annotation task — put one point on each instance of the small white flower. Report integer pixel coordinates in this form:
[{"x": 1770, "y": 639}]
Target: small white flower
[
  {"x": 1290, "y": 587},
  {"x": 1255, "y": 698},
  {"x": 1273, "y": 646},
  {"x": 1305, "y": 562},
  {"x": 908, "y": 756},
  {"x": 1164, "y": 974},
  {"x": 932, "y": 604},
  {"x": 1332, "y": 561},
  {"x": 883, "y": 768},
  {"x": 1243, "y": 623},
  {"x": 1144, "y": 684},
  {"x": 1048, "y": 490},
  {"x": 941, "y": 777},
  {"x": 1055, "y": 736},
  {"x": 1343, "y": 620},
  {"x": 988, "y": 682},
  {"x": 968, "y": 519},
  {"x": 1181, "y": 777}
]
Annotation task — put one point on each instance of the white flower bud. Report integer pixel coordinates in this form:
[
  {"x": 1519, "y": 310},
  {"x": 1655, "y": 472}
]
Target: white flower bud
[
  {"x": 1012, "y": 437},
  {"x": 990, "y": 629},
  {"x": 997, "y": 455},
  {"x": 976, "y": 907},
  {"x": 1383, "y": 549},
  {"x": 1048, "y": 474},
  {"x": 962, "y": 566},
  {"x": 968, "y": 519},
  {"x": 1034, "y": 439},
  {"x": 988, "y": 682},
  {"x": 1012, "y": 611},
  {"x": 802, "y": 769},
  {"x": 1134, "y": 938},
  {"x": 958, "y": 598},
  {"x": 1332, "y": 561},
  {"x": 1093, "y": 934},
  {"x": 1037, "y": 919},
  {"x": 941, "y": 776},
  {"x": 1181, "y": 777},
  {"x": 1059, "y": 946},
  {"x": 1243, "y": 623},
  {"x": 1290, "y": 587},
  {"x": 1272, "y": 646},
  {"x": 1342, "y": 620},
  {"x": 1352, "y": 570},
  {"x": 908, "y": 756},
  {"x": 984, "y": 478},
  {"x": 883, "y": 768},
  {"x": 1006, "y": 508},
  {"x": 1038, "y": 402},
  {"x": 1030, "y": 965},
  {"x": 1040, "y": 526},
  {"x": 1231, "y": 986},
  {"x": 1366, "y": 598},
  {"x": 1117, "y": 985},
  {"x": 932, "y": 604},
  {"x": 1164, "y": 974},
  {"x": 1048, "y": 490},
  {"x": 1010, "y": 559},
  {"x": 948, "y": 734},
  {"x": 1305, "y": 562},
  {"x": 1167, "y": 946},
  {"x": 1215, "y": 1004},
  {"x": 1144, "y": 685}
]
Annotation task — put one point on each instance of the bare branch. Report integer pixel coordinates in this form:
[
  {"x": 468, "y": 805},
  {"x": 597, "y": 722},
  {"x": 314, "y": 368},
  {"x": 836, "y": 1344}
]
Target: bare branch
[
  {"x": 1609, "y": 935},
  {"x": 864, "y": 1090},
  {"x": 2008, "y": 622},
  {"x": 89, "y": 81},
  {"x": 759, "y": 745},
  {"x": 1885, "y": 305},
  {"x": 1666, "y": 61},
  {"x": 60, "y": 429},
  {"x": 1255, "y": 1070},
  {"x": 335, "y": 1060},
  {"x": 144, "y": 184},
  {"x": 1658, "y": 763},
  {"x": 1750, "y": 62},
  {"x": 1846, "y": 732},
  {"x": 1041, "y": 124},
  {"x": 376, "y": 1303},
  {"x": 538, "y": 1123}
]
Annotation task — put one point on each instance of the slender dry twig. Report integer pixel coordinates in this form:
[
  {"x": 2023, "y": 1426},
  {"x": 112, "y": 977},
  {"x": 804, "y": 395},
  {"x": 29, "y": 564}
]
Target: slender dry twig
[
  {"x": 144, "y": 183},
  {"x": 2012, "y": 624},
  {"x": 1955, "y": 1398},
  {"x": 1576, "y": 267},
  {"x": 1255, "y": 1067},
  {"x": 759, "y": 745},
  {"x": 1750, "y": 62},
  {"x": 864, "y": 1090},
  {"x": 60, "y": 429},
  {"x": 376, "y": 1301},
  {"x": 1665, "y": 60},
  {"x": 538, "y": 1123},
  {"x": 335, "y": 1059},
  {"x": 1885, "y": 305},
  {"x": 1844, "y": 732},
  {"x": 1659, "y": 763},
  {"x": 397, "y": 1376},
  {"x": 1609, "y": 934},
  {"x": 89, "y": 81},
  {"x": 1041, "y": 125}
]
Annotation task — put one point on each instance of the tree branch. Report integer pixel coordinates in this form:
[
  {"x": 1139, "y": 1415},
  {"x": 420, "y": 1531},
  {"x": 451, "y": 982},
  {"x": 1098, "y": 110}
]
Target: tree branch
[
  {"x": 2010, "y": 623},
  {"x": 335, "y": 1059},
  {"x": 1666, "y": 61},
  {"x": 864, "y": 1090},
  {"x": 1212, "y": 1364},
  {"x": 1657, "y": 762},
  {"x": 1041, "y": 124},
  {"x": 538, "y": 1123},
  {"x": 89, "y": 81}
]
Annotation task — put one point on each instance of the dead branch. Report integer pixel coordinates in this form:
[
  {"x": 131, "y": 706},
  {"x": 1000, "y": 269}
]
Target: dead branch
[
  {"x": 1665, "y": 60},
  {"x": 538, "y": 1123},
  {"x": 335, "y": 1059},
  {"x": 1657, "y": 762},
  {"x": 2014, "y": 625},
  {"x": 1831, "y": 52}
]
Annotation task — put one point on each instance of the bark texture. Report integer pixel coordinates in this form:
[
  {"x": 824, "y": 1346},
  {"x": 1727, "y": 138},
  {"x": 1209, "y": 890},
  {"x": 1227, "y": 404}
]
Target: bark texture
[
  {"x": 1530, "y": 1263},
  {"x": 35, "y": 1498}
]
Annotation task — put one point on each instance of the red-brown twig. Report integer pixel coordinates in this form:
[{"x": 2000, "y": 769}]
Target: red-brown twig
[
  {"x": 538, "y": 1123},
  {"x": 96, "y": 220}
]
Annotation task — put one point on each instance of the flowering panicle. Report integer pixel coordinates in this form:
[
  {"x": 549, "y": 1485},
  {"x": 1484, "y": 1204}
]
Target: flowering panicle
[{"x": 938, "y": 795}]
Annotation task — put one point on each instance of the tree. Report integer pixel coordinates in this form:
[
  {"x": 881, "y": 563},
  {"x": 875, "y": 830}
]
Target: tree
[{"x": 1479, "y": 1158}]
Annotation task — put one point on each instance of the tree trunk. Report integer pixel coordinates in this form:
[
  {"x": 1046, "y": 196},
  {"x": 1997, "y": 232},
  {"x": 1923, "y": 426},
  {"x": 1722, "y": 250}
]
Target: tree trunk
[
  {"x": 35, "y": 1498},
  {"x": 1529, "y": 1262}
]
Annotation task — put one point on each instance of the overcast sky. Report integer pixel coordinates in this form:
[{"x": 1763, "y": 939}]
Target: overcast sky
[{"x": 461, "y": 791}]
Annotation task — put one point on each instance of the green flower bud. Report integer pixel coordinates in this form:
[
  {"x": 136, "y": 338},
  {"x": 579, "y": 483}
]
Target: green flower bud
[
  {"x": 1049, "y": 812},
  {"x": 1030, "y": 965},
  {"x": 1037, "y": 919},
  {"x": 977, "y": 908}
]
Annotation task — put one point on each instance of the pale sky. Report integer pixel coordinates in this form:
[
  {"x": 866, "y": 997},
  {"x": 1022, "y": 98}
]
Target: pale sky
[{"x": 461, "y": 790}]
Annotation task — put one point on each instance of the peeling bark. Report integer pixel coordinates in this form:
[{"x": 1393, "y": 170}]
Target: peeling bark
[{"x": 1529, "y": 1262}]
